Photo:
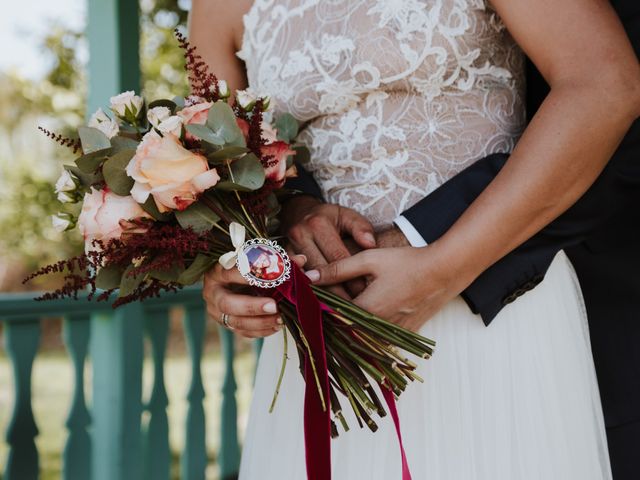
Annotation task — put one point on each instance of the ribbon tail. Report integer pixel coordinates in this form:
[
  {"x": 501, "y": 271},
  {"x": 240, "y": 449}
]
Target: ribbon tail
[
  {"x": 317, "y": 420},
  {"x": 391, "y": 403}
]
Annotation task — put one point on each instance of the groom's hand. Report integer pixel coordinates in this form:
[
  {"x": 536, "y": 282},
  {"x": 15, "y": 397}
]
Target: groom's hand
[
  {"x": 318, "y": 230},
  {"x": 407, "y": 285}
]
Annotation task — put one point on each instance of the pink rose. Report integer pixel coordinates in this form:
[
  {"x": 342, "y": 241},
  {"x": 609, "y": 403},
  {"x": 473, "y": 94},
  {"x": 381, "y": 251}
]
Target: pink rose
[
  {"x": 276, "y": 172},
  {"x": 105, "y": 215},
  {"x": 195, "y": 114},
  {"x": 171, "y": 174}
]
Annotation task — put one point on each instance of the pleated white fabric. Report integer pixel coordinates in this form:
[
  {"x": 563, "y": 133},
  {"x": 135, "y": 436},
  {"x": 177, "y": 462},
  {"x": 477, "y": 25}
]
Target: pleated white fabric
[{"x": 514, "y": 401}]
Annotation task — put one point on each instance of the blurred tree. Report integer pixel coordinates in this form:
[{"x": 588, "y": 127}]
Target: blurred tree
[{"x": 30, "y": 163}]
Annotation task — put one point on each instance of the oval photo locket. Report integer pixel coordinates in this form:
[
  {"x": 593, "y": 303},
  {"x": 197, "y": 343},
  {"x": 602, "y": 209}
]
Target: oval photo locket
[{"x": 269, "y": 264}]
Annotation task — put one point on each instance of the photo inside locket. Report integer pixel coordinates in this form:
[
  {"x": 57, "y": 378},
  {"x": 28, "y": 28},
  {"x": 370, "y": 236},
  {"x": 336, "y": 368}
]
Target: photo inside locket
[{"x": 265, "y": 263}]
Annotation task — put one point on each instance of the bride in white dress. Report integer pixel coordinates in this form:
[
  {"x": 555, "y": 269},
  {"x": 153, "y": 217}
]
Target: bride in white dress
[{"x": 399, "y": 96}]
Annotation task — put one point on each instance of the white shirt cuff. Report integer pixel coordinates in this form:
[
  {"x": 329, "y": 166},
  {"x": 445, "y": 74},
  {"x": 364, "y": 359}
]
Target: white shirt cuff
[{"x": 413, "y": 236}]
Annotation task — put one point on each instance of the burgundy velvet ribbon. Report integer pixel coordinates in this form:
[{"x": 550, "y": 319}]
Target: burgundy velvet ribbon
[
  {"x": 391, "y": 403},
  {"x": 317, "y": 422}
]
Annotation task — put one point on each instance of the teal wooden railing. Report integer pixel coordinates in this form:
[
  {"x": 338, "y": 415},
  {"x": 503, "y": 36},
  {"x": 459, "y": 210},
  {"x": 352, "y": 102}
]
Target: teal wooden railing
[{"x": 108, "y": 439}]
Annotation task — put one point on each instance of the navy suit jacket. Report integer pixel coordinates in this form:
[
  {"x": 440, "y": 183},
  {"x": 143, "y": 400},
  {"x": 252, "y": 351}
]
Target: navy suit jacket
[{"x": 600, "y": 234}]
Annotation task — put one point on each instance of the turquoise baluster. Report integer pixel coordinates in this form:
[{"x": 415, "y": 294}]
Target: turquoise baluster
[
  {"x": 229, "y": 458},
  {"x": 157, "y": 456},
  {"x": 77, "y": 450},
  {"x": 194, "y": 457},
  {"x": 117, "y": 354},
  {"x": 21, "y": 341}
]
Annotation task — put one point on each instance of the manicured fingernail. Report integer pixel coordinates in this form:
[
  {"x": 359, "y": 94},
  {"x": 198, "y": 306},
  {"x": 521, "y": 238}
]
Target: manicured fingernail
[
  {"x": 370, "y": 238},
  {"x": 279, "y": 321},
  {"x": 313, "y": 275},
  {"x": 304, "y": 257},
  {"x": 270, "y": 307}
]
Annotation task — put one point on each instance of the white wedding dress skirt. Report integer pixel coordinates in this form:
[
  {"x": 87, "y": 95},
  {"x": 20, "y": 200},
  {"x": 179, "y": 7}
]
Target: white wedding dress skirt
[{"x": 517, "y": 400}]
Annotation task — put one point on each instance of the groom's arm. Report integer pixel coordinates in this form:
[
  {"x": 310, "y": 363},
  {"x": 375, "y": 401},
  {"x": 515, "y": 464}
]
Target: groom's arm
[{"x": 525, "y": 267}]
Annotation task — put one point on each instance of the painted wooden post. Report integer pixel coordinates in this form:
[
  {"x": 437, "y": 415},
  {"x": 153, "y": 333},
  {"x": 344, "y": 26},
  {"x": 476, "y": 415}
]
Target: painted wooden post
[
  {"x": 116, "y": 343},
  {"x": 117, "y": 354},
  {"x": 157, "y": 457},
  {"x": 113, "y": 31},
  {"x": 77, "y": 450},
  {"x": 229, "y": 458},
  {"x": 194, "y": 458},
  {"x": 21, "y": 341}
]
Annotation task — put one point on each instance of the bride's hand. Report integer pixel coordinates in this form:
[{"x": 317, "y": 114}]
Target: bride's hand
[
  {"x": 248, "y": 315},
  {"x": 407, "y": 285}
]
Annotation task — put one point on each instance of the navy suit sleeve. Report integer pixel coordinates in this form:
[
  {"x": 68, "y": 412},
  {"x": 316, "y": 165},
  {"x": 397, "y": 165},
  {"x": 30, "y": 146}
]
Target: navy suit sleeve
[
  {"x": 304, "y": 183},
  {"x": 525, "y": 267}
]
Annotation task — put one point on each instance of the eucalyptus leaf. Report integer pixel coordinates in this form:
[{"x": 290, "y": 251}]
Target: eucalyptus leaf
[
  {"x": 115, "y": 175},
  {"x": 204, "y": 133},
  {"x": 129, "y": 283},
  {"x": 152, "y": 209},
  {"x": 120, "y": 143},
  {"x": 86, "y": 179},
  {"x": 164, "y": 103},
  {"x": 226, "y": 153},
  {"x": 109, "y": 277},
  {"x": 93, "y": 140},
  {"x": 90, "y": 162},
  {"x": 168, "y": 275},
  {"x": 222, "y": 121},
  {"x": 247, "y": 174},
  {"x": 197, "y": 216},
  {"x": 200, "y": 265},
  {"x": 287, "y": 127}
]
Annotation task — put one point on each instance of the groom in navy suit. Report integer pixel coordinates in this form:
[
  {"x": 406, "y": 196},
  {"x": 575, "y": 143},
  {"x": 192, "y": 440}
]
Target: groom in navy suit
[{"x": 601, "y": 236}]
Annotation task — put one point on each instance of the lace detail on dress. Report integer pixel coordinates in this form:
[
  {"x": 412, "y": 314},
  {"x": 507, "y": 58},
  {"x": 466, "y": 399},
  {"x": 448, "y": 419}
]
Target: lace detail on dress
[{"x": 398, "y": 95}]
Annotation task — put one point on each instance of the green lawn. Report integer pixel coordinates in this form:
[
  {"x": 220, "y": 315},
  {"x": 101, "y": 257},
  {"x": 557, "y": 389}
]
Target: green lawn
[{"x": 52, "y": 377}]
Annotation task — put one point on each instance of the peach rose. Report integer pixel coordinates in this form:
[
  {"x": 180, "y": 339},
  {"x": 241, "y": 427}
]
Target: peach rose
[
  {"x": 171, "y": 174},
  {"x": 195, "y": 114},
  {"x": 104, "y": 215},
  {"x": 277, "y": 171}
]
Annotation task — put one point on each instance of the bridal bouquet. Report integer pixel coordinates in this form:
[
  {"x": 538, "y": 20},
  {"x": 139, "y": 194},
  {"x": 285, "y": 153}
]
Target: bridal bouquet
[{"x": 172, "y": 187}]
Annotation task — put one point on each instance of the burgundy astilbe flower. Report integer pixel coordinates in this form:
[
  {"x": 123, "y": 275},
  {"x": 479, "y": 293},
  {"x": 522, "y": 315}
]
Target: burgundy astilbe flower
[
  {"x": 64, "y": 141},
  {"x": 204, "y": 84},
  {"x": 255, "y": 140},
  {"x": 160, "y": 248}
]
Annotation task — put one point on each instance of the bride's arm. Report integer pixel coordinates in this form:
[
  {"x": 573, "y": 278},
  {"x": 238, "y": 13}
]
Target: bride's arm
[
  {"x": 582, "y": 50},
  {"x": 215, "y": 28}
]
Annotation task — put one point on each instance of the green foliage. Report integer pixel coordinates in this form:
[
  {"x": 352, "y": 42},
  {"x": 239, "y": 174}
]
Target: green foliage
[
  {"x": 247, "y": 174},
  {"x": 198, "y": 216}
]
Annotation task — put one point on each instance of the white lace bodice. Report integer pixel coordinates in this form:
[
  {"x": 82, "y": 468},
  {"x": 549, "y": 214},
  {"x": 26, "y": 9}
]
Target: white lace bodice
[{"x": 397, "y": 95}]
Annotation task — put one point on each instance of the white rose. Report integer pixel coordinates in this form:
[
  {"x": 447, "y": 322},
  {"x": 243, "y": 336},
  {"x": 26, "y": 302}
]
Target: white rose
[
  {"x": 157, "y": 115},
  {"x": 223, "y": 88},
  {"x": 67, "y": 182},
  {"x": 102, "y": 122},
  {"x": 127, "y": 100},
  {"x": 67, "y": 197},
  {"x": 171, "y": 125},
  {"x": 62, "y": 222},
  {"x": 246, "y": 99}
]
